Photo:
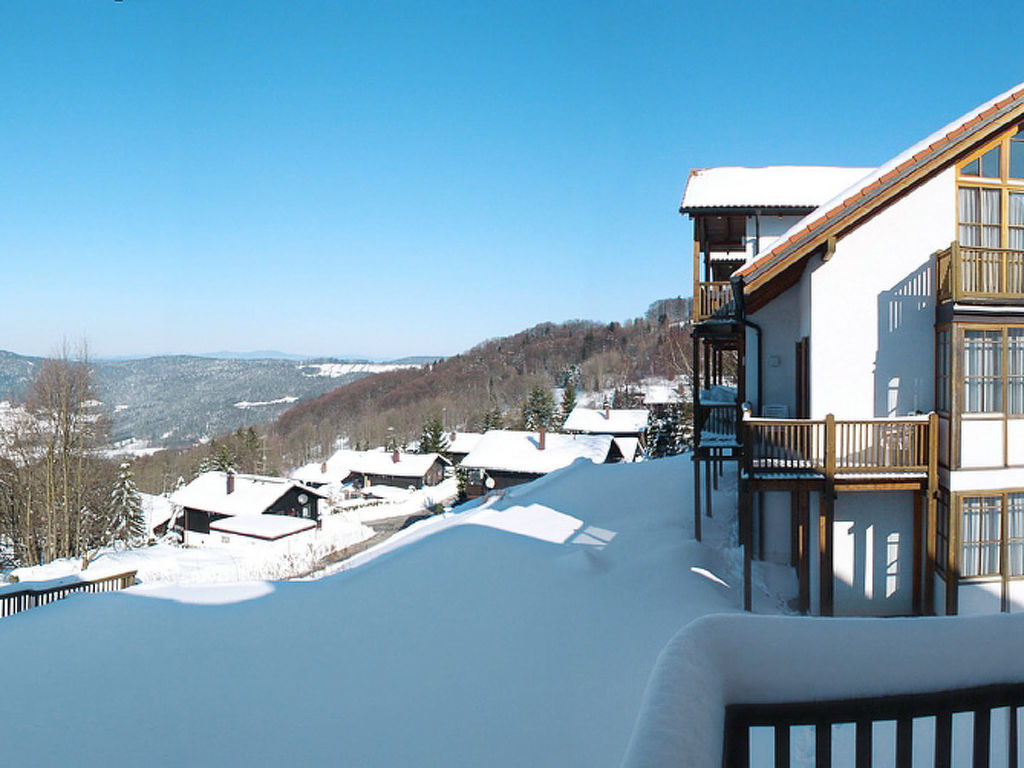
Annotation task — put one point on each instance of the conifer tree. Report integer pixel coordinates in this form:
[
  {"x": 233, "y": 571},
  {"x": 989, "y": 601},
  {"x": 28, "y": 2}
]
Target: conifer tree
[
  {"x": 567, "y": 404},
  {"x": 433, "y": 438},
  {"x": 539, "y": 409},
  {"x": 127, "y": 523}
]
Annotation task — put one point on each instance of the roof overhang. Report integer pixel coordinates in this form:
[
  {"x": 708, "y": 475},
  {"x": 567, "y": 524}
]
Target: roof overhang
[{"x": 767, "y": 277}]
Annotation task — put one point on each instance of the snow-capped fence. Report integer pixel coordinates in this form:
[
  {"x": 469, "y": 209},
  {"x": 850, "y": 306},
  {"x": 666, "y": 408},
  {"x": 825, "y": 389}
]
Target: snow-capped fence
[
  {"x": 914, "y": 729},
  {"x": 42, "y": 593},
  {"x": 742, "y": 690}
]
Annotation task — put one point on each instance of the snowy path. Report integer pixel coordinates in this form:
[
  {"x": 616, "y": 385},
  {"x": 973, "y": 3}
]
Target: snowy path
[{"x": 493, "y": 648}]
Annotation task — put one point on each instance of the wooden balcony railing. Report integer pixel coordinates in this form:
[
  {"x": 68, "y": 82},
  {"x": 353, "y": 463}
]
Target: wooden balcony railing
[
  {"x": 34, "y": 596},
  {"x": 967, "y": 272},
  {"x": 712, "y": 298},
  {"x": 830, "y": 447},
  {"x": 717, "y": 422}
]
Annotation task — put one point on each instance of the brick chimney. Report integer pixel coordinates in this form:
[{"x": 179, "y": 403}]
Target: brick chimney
[
  {"x": 231, "y": 482},
  {"x": 607, "y": 411},
  {"x": 542, "y": 433},
  {"x": 394, "y": 456},
  {"x": 323, "y": 468}
]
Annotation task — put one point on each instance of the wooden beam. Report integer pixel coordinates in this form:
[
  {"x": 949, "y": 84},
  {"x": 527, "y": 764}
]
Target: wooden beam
[
  {"x": 803, "y": 569},
  {"x": 931, "y": 525},
  {"x": 826, "y": 578},
  {"x": 746, "y": 525},
  {"x": 918, "y": 557}
]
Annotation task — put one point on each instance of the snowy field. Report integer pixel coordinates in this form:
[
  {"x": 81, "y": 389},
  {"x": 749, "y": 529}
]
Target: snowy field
[{"x": 519, "y": 632}]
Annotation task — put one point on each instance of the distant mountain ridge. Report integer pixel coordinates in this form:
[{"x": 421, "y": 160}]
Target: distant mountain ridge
[{"x": 176, "y": 400}]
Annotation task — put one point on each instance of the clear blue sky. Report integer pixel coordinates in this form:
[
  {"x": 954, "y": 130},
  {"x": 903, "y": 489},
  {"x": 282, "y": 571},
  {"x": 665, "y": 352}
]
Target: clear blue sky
[{"x": 384, "y": 179}]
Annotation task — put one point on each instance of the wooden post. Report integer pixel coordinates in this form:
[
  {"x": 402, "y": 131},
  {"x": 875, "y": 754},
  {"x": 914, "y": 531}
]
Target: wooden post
[
  {"x": 954, "y": 258},
  {"x": 696, "y": 495},
  {"x": 931, "y": 525},
  {"x": 918, "y": 596},
  {"x": 709, "y": 466},
  {"x": 746, "y": 541},
  {"x": 803, "y": 568},
  {"x": 826, "y": 522}
]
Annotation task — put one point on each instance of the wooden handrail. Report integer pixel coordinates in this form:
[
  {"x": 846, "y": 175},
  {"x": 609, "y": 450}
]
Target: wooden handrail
[
  {"x": 31, "y": 597},
  {"x": 834, "y": 447},
  {"x": 965, "y": 272},
  {"x": 862, "y": 714},
  {"x": 710, "y": 298}
]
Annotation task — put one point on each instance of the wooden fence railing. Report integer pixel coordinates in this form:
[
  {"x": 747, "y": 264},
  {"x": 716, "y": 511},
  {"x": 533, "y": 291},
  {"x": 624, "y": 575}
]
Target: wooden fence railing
[
  {"x": 715, "y": 421},
  {"x": 32, "y": 597},
  {"x": 711, "y": 297},
  {"x": 971, "y": 272},
  {"x": 831, "y": 447},
  {"x": 917, "y": 729}
]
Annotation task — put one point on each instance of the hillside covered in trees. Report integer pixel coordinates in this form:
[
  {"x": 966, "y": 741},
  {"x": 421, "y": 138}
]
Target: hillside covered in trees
[
  {"x": 485, "y": 386},
  {"x": 493, "y": 378}
]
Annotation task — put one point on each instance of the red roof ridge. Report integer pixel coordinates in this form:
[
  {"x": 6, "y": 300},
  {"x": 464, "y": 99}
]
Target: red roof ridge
[{"x": 839, "y": 208}]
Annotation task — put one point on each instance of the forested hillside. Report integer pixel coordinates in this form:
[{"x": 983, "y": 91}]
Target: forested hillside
[
  {"x": 486, "y": 384},
  {"x": 494, "y": 376}
]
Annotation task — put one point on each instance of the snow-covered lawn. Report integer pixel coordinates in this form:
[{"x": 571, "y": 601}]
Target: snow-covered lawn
[{"x": 519, "y": 632}]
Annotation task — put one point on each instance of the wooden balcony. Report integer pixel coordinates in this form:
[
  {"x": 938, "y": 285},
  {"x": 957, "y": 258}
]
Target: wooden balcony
[
  {"x": 712, "y": 299},
  {"x": 865, "y": 450},
  {"x": 974, "y": 274}
]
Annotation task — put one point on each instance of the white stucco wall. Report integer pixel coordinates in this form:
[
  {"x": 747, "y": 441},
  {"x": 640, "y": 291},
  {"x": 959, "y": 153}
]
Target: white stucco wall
[
  {"x": 781, "y": 322},
  {"x": 873, "y": 554},
  {"x": 981, "y": 442},
  {"x": 873, "y": 308},
  {"x": 766, "y": 231}
]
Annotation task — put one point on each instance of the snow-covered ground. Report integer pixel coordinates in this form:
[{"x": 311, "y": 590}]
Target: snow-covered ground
[
  {"x": 165, "y": 563},
  {"x": 520, "y": 631}
]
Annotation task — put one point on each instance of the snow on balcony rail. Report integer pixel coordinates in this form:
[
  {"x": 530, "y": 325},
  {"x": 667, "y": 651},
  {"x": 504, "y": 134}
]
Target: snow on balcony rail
[{"x": 721, "y": 661}]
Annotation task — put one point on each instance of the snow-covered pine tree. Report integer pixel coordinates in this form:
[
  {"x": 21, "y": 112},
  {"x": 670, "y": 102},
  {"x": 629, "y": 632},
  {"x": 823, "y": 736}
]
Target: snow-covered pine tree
[
  {"x": 539, "y": 409},
  {"x": 127, "y": 523},
  {"x": 567, "y": 404},
  {"x": 433, "y": 438}
]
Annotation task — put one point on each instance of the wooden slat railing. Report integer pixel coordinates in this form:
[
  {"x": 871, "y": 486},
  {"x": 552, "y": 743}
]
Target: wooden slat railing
[
  {"x": 714, "y": 421},
  {"x": 993, "y": 730},
  {"x": 966, "y": 272},
  {"x": 712, "y": 298},
  {"x": 32, "y": 597},
  {"x": 832, "y": 447}
]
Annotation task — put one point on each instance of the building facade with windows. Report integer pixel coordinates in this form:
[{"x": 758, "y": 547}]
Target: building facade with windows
[{"x": 865, "y": 371}]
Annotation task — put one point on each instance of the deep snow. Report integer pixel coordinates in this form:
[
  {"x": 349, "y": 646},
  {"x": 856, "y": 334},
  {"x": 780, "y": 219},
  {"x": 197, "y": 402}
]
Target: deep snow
[{"x": 459, "y": 643}]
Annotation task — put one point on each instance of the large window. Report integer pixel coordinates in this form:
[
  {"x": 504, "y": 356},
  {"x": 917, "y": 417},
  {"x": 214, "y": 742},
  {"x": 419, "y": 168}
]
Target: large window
[
  {"x": 984, "y": 541},
  {"x": 1015, "y": 370},
  {"x": 983, "y": 378},
  {"x": 991, "y": 217}
]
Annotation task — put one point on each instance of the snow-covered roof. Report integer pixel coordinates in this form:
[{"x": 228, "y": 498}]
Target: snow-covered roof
[
  {"x": 857, "y": 196},
  {"x": 519, "y": 452},
  {"x": 774, "y": 186},
  {"x": 334, "y": 470},
  {"x": 156, "y": 509},
  {"x": 618, "y": 420},
  {"x": 662, "y": 394},
  {"x": 263, "y": 526},
  {"x": 383, "y": 463},
  {"x": 628, "y": 446},
  {"x": 252, "y": 493},
  {"x": 463, "y": 442}
]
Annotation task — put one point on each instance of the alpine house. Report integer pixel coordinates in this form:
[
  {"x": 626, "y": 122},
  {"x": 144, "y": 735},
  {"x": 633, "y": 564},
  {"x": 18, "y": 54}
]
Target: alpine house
[{"x": 859, "y": 352}]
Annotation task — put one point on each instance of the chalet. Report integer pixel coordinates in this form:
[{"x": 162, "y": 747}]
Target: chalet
[
  {"x": 875, "y": 323},
  {"x": 504, "y": 458},
  {"x": 332, "y": 471},
  {"x": 617, "y": 422},
  {"x": 461, "y": 443},
  {"x": 223, "y": 504},
  {"x": 397, "y": 469}
]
